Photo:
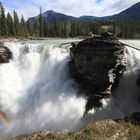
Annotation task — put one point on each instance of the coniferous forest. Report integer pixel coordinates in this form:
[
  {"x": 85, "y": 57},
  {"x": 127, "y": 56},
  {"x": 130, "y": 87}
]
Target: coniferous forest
[{"x": 12, "y": 26}]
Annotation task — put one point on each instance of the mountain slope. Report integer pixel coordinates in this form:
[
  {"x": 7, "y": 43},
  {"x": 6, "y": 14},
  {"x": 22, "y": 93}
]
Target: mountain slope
[
  {"x": 131, "y": 13},
  {"x": 88, "y": 18},
  {"x": 51, "y": 17}
]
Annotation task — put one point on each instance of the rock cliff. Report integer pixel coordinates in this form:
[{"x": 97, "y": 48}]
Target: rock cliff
[{"x": 97, "y": 64}]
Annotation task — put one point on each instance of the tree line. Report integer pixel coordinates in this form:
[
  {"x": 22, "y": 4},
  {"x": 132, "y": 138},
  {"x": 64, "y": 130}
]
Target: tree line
[{"x": 12, "y": 26}]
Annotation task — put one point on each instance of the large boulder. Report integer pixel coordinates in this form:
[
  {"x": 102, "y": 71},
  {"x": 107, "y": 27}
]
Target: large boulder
[
  {"x": 97, "y": 64},
  {"x": 5, "y": 54}
]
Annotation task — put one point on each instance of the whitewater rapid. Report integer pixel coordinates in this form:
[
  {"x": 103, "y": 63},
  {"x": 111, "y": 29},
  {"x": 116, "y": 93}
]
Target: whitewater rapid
[{"x": 37, "y": 92}]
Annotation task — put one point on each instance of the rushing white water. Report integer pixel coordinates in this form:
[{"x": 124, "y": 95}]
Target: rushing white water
[{"x": 37, "y": 93}]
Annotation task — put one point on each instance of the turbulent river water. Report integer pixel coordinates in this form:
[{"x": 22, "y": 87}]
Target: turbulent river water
[{"x": 37, "y": 92}]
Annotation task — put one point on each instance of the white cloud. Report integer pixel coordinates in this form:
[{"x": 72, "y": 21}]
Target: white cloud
[{"x": 77, "y": 8}]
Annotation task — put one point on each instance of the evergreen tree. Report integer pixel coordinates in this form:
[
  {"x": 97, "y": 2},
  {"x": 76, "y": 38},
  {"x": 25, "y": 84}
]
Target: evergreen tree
[
  {"x": 3, "y": 26},
  {"x": 23, "y": 25},
  {"x": 16, "y": 24},
  {"x": 41, "y": 22},
  {"x": 36, "y": 29},
  {"x": 10, "y": 25}
]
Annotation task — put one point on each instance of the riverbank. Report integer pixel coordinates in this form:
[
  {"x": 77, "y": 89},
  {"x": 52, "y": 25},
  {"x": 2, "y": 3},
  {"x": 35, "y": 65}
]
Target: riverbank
[
  {"x": 100, "y": 130},
  {"x": 46, "y": 38},
  {"x": 35, "y": 38}
]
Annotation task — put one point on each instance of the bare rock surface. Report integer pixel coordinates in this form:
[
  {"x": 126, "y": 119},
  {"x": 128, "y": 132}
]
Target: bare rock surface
[{"x": 97, "y": 64}]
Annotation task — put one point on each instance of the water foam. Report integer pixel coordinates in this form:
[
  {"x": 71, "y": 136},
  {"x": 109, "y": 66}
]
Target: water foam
[{"x": 36, "y": 90}]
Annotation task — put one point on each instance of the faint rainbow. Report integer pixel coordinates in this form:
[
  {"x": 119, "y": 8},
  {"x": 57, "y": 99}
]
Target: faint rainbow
[{"x": 4, "y": 118}]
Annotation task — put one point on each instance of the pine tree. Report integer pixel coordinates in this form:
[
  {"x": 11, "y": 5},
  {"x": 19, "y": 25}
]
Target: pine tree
[
  {"x": 10, "y": 25},
  {"x": 16, "y": 24},
  {"x": 68, "y": 29},
  {"x": 41, "y": 22},
  {"x": 30, "y": 29},
  {"x": 3, "y": 26},
  {"x": 36, "y": 29},
  {"x": 23, "y": 25}
]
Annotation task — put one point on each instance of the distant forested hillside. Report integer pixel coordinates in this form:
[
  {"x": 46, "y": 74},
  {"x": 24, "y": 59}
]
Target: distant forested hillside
[{"x": 53, "y": 24}]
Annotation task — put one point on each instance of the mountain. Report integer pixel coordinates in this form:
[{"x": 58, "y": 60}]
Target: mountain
[
  {"x": 51, "y": 16},
  {"x": 87, "y": 18},
  {"x": 131, "y": 13}
]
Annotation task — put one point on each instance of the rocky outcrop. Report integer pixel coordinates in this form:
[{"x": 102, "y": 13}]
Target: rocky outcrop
[
  {"x": 5, "y": 54},
  {"x": 97, "y": 64}
]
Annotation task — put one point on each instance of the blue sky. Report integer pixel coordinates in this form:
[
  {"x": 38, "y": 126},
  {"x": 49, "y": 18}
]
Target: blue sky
[{"x": 76, "y": 8}]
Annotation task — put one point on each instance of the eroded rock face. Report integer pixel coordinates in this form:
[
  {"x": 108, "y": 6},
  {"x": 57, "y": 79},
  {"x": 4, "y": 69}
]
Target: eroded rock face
[
  {"x": 97, "y": 64},
  {"x": 5, "y": 54}
]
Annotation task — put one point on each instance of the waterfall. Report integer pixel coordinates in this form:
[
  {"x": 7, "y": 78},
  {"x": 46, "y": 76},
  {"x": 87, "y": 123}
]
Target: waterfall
[{"x": 37, "y": 92}]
